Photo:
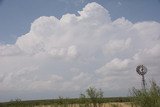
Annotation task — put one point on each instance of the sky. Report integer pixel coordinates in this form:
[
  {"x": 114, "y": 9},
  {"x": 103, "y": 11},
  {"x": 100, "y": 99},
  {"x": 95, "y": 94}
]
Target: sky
[{"x": 51, "y": 48}]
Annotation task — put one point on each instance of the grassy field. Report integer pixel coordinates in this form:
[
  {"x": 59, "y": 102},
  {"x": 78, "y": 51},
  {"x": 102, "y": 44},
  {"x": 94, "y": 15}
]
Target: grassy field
[
  {"x": 103, "y": 105},
  {"x": 113, "y": 104},
  {"x": 74, "y": 102}
]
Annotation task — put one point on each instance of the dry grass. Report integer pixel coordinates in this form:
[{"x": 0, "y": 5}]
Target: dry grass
[
  {"x": 117, "y": 105},
  {"x": 103, "y": 105}
]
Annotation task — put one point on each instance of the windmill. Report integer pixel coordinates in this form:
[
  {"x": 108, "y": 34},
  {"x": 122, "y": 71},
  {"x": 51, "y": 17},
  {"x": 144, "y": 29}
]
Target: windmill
[{"x": 142, "y": 70}]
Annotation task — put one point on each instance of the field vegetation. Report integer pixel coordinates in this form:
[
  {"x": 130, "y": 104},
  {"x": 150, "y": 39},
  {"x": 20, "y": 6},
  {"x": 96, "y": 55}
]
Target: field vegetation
[
  {"x": 146, "y": 97},
  {"x": 93, "y": 97}
]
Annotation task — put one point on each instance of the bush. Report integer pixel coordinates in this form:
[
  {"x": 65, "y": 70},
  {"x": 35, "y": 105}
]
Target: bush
[
  {"x": 147, "y": 97},
  {"x": 92, "y": 95}
]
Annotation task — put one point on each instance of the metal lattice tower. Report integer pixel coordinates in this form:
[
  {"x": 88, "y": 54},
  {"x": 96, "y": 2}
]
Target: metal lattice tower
[{"x": 142, "y": 70}]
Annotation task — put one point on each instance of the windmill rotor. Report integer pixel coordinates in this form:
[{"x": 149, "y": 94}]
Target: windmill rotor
[{"x": 142, "y": 70}]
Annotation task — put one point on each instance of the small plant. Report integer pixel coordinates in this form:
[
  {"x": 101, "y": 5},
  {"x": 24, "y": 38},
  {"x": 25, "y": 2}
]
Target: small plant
[{"x": 147, "y": 98}]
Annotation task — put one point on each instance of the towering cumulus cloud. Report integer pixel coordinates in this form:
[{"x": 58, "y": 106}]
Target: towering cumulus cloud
[{"x": 77, "y": 51}]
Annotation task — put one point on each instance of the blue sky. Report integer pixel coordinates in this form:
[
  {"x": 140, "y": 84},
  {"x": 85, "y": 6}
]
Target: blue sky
[
  {"x": 65, "y": 46},
  {"x": 17, "y": 15}
]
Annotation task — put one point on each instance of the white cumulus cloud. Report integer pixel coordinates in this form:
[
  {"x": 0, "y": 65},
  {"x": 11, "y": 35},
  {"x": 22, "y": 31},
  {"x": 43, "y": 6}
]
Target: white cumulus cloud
[
  {"x": 114, "y": 46},
  {"x": 76, "y": 51}
]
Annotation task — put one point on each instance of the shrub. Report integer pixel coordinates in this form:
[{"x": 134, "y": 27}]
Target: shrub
[
  {"x": 147, "y": 97},
  {"x": 93, "y": 96}
]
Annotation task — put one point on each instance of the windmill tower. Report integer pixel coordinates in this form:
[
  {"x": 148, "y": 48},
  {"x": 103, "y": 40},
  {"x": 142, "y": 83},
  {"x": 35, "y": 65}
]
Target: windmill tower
[{"x": 142, "y": 70}]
